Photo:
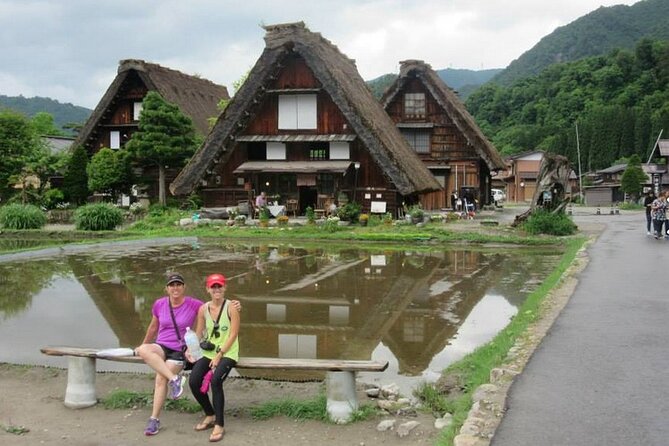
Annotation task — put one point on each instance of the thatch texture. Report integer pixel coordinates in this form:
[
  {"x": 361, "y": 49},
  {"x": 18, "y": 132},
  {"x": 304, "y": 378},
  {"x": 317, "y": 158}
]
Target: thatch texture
[
  {"x": 341, "y": 80},
  {"x": 451, "y": 104},
  {"x": 197, "y": 98}
]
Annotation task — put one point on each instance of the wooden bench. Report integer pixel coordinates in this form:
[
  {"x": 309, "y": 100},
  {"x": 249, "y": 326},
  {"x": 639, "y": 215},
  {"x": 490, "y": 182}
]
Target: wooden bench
[{"x": 340, "y": 376}]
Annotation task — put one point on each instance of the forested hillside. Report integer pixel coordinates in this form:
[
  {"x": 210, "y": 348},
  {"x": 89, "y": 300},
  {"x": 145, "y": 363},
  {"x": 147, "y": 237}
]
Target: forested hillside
[
  {"x": 465, "y": 81},
  {"x": 596, "y": 33},
  {"x": 62, "y": 113},
  {"x": 620, "y": 102}
]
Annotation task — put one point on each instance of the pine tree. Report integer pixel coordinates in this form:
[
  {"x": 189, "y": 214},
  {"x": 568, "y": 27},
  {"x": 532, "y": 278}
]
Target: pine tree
[{"x": 166, "y": 138}]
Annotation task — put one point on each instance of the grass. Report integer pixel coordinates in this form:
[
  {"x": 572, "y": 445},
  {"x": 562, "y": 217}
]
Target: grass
[
  {"x": 313, "y": 409},
  {"x": 126, "y": 399},
  {"x": 474, "y": 369}
]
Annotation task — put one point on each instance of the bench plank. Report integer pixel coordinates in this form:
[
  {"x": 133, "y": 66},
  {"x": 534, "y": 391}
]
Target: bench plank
[{"x": 331, "y": 365}]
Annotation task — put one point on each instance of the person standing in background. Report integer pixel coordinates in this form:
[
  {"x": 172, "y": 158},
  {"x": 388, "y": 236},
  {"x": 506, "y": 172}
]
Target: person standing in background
[{"x": 647, "y": 202}]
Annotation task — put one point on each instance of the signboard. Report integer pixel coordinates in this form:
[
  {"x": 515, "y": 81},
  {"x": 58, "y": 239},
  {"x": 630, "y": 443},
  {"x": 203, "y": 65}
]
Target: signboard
[{"x": 378, "y": 207}]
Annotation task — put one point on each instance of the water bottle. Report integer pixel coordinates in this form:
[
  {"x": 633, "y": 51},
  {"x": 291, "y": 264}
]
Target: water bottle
[{"x": 193, "y": 344}]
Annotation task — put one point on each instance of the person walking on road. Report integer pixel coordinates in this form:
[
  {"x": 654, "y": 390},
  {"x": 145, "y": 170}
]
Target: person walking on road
[
  {"x": 647, "y": 202},
  {"x": 658, "y": 210}
]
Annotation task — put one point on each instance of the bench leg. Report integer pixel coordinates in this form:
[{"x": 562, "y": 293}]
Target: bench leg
[
  {"x": 341, "y": 396},
  {"x": 80, "y": 390}
]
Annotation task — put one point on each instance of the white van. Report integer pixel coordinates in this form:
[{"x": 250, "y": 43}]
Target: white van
[{"x": 498, "y": 196}]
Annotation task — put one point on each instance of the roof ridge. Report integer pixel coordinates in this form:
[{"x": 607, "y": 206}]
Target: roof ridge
[{"x": 142, "y": 65}]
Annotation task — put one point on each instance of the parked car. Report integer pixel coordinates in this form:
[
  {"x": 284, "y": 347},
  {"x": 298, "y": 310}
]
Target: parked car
[{"x": 498, "y": 196}]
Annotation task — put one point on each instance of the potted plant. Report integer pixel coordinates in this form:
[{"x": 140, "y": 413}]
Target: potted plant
[
  {"x": 311, "y": 215},
  {"x": 388, "y": 219},
  {"x": 349, "y": 211},
  {"x": 282, "y": 220},
  {"x": 363, "y": 219}
]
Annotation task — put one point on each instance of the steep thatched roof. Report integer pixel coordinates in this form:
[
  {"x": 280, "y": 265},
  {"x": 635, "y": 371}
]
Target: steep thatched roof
[
  {"x": 197, "y": 98},
  {"x": 340, "y": 79},
  {"x": 451, "y": 103}
]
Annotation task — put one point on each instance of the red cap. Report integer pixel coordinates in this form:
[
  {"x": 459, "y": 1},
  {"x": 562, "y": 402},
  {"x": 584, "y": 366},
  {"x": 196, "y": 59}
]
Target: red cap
[{"x": 215, "y": 279}]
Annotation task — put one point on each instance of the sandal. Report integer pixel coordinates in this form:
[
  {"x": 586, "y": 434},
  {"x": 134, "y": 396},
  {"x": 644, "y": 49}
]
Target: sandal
[
  {"x": 213, "y": 438},
  {"x": 204, "y": 425}
]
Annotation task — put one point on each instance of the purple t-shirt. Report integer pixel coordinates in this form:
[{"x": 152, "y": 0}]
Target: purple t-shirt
[{"x": 185, "y": 316}]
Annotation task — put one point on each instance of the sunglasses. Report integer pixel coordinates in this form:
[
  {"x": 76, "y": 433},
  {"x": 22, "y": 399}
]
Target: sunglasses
[{"x": 215, "y": 331}]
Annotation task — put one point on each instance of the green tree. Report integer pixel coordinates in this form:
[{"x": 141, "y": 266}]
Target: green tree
[
  {"x": 19, "y": 147},
  {"x": 109, "y": 172},
  {"x": 75, "y": 181},
  {"x": 166, "y": 138},
  {"x": 633, "y": 178},
  {"x": 43, "y": 124}
]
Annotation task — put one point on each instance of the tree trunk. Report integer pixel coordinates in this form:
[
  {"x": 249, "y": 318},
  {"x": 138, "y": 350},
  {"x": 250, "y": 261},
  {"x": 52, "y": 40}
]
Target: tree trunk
[
  {"x": 552, "y": 182},
  {"x": 162, "y": 198}
]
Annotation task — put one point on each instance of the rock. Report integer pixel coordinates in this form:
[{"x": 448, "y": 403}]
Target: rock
[
  {"x": 374, "y": 392},
  {"x": 469, "y": 440},
  {"x": 390, "y": 406},
  {"x": 385, "y": 425},
  {"x": 185, "y": 221},
  {"x": 499, "y": 374},
  {"x": 390, "y": 390},
  {"x": 404, "y": 428},
  {"x": 484, "y": 392},
  {"x": 404, "y": 401},
  {"x": 443, "y": 422}
]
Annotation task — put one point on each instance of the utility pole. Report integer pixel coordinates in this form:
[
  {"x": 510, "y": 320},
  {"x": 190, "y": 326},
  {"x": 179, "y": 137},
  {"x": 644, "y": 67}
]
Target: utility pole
[{"x": 580, "y": 177}]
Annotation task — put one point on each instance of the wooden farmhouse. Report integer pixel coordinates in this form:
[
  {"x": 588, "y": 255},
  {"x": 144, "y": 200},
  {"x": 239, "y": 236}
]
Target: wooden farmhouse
[
  {"x": 443, "y": 135},
  {"x": 305, "y": 129},
  {"x": 116, "y": 116}
]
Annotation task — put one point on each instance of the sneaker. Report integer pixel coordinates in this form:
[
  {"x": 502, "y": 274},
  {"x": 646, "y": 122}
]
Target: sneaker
[
  {"x": 648, "y": 233},
  {"x": 177, "y": 386},
  {"x": 152, "y": 427}
]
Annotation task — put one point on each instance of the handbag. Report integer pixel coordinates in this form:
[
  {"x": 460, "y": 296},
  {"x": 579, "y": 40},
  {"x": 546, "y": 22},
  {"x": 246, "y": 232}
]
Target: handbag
[{"x": 187, "y": 364}]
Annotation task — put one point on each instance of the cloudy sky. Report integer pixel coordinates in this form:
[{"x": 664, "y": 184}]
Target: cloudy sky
[{"x": 69, "y": 49}]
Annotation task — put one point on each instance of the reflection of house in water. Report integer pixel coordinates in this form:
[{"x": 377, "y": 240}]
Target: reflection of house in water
[
  {"x": 455, "y": 282},
  {"x": 353, "y": 302},
  {"x": 115, "y": 302}
]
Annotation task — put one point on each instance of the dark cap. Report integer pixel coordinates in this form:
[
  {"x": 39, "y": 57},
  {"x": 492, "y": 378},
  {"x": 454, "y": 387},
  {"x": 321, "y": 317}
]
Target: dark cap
[{"x": 175, "y": 278}]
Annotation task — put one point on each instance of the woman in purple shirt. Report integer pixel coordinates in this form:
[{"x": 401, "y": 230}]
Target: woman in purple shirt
[{"x": 162, "y": 347}]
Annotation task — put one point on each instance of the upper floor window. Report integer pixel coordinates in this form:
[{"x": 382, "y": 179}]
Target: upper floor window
[
  {"x": 276, "y": 151},
  {"x": 419, "y": 139},
  {"x": 136, "y": 110},
  {"x": 297, "y": 111},
  {"x": 414, "y": 105},
  {"x": 339, "y": 150},
  {"x": 114, "y": 139}
]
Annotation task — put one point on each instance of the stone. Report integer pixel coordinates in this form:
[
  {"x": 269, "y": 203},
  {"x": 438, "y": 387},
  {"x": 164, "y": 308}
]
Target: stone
[
  {"x": 185, "y": 221},
  {"x": 390, "y": 390},
  {"x": 443, "y": 422},
  {"x": 469, "y": 440},
  {"x": 405, "y": 428},
  {"x": 385, "y": 425},
  {"x": 484, "y": 391},
  {"x": 374, "y": 392},
  {"x": 390, "y": 406}
]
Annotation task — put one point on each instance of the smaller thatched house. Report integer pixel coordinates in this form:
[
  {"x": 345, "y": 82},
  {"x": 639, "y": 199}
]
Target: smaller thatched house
[
  {"x": 305, "y": 129},
  {"x": 116, "y": 117},
  {"x": 443, "y": 135}
]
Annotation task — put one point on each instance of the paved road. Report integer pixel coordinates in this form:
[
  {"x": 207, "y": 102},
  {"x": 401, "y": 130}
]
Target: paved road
[{"x": 601, "y": 375}]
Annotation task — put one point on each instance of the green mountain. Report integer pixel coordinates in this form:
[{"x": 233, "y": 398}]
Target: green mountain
[
  {"x": 619, "y": 102},
  {"x": 62, "y": 113},
  {"x": 462, "y": 80},
  {"x": 596, "y": 33}
]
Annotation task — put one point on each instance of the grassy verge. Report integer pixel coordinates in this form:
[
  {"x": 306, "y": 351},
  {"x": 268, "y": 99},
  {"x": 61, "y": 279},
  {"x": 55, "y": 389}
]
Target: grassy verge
[
  {"x": 474, "y": 369},
  {"x": 125, "y": 399}
]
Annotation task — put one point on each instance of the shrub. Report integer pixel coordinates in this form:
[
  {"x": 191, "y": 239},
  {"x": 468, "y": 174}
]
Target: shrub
[
  {"x": 22, "y": 216},
  {"x": 416, "y": 212},
  {"x": 349, "y": 211},
  {"x": 544, "y": 222},
  {"x": 311, "y": 215},
  {"x": 52, "y": 198},
  {"x": 98, "y": 217}
]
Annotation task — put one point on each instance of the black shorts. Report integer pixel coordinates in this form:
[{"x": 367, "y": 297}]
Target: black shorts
[{"x": 174, "y": 355}]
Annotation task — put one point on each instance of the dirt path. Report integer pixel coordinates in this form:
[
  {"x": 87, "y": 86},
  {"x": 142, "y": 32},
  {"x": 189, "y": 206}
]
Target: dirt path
[{"x": 33, "y": 397}]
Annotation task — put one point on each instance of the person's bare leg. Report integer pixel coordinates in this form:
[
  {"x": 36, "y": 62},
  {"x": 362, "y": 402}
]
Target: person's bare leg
[
  {"x": 160, "y": 389},
  {"x": 154, "y": 356}
]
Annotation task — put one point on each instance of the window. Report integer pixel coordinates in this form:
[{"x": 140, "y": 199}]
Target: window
[
  {"x": 414, "y": 105},
  {"x": 419, "y": 140},
  {"x": 136, "y": 110},
  {"x": 297, "y": 111},
  {"x": 325, "y": 183},
  {"x": 318, "y": 151},
  {"x": 256, "y": 151},
  {"x": 276, "y": 151},
  {"x": 339, "y": 151},
  {"x": 115, "y": 139}
]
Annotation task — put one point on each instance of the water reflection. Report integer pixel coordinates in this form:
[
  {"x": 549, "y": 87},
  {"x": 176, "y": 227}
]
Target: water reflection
[{"x": 420, "y": 310}]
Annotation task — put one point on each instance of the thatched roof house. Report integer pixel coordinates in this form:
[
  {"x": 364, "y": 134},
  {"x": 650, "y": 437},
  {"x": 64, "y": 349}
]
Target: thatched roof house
[
  {"x": 441, "y": 130},
  {"x": 118, "y": 110},
  {"x": 343, "y": 121}
]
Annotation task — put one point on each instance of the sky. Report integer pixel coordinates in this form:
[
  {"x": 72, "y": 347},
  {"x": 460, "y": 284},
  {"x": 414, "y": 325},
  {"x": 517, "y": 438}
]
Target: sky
[{"x": 69, "y": 50}]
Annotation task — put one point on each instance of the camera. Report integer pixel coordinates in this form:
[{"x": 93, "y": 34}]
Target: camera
[{"x": 207, "y": 345}]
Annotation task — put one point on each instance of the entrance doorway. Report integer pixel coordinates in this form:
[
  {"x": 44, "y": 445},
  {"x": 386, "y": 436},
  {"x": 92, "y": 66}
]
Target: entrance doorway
[{"x": 308, "y": 197}]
